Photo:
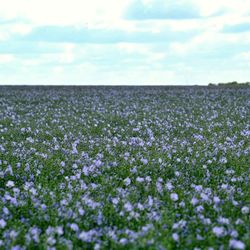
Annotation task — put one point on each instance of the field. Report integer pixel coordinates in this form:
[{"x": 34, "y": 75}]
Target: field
[{"x": 124, "y": 168}]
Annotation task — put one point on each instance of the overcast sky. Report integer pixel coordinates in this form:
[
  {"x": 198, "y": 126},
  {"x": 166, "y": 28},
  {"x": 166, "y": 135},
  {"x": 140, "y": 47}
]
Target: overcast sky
[{"x": 124, "y": 41}]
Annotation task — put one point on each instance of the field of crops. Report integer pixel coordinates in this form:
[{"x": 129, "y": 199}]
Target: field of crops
[{"x": 124, "y": 168}]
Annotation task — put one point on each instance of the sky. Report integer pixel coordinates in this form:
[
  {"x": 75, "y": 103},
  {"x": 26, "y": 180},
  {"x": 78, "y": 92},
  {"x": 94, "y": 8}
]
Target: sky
[{"x": 123, "y": 42}]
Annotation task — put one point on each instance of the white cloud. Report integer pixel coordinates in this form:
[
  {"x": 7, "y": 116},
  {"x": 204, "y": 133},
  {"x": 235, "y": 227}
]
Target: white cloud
[
  {"x": 132, "y": 48},
  {"x": 243, "y": 56},
  {"x": 58, "y": 69},
  {"x": 68, "y": 55},
  {"x": 210, "y": 40},
  {"x": 6, "y": 58},
  {"x": 212, "y": 7},
  {"x": 3, "y": 36},
  {"x": 63, "y": 12},
  {"x": 22, "y": 29}
]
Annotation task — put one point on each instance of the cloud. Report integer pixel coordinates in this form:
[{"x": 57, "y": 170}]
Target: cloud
[
  {"x": 70, "y": 34},
  {"x": 245, "y": 55},
  {"x": 27, "y": 47},
  {"x": 63, "y": 12},
  {"x": 7, "y": 21},
  {"x": 237, "y": 28},
  {"x": 212, "y": 45},
  {"x": 161, "y": 9},
  {"x": 10, "y": 27},
  {"x": 6, "y": 58}
]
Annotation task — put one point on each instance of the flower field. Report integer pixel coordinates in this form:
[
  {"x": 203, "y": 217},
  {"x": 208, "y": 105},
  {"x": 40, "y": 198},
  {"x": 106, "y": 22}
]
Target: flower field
[{"x": 124, "y": 168}]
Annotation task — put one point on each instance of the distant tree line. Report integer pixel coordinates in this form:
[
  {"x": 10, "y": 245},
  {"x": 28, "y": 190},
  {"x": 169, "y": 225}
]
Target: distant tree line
[{"x": 233, "y": 84}]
